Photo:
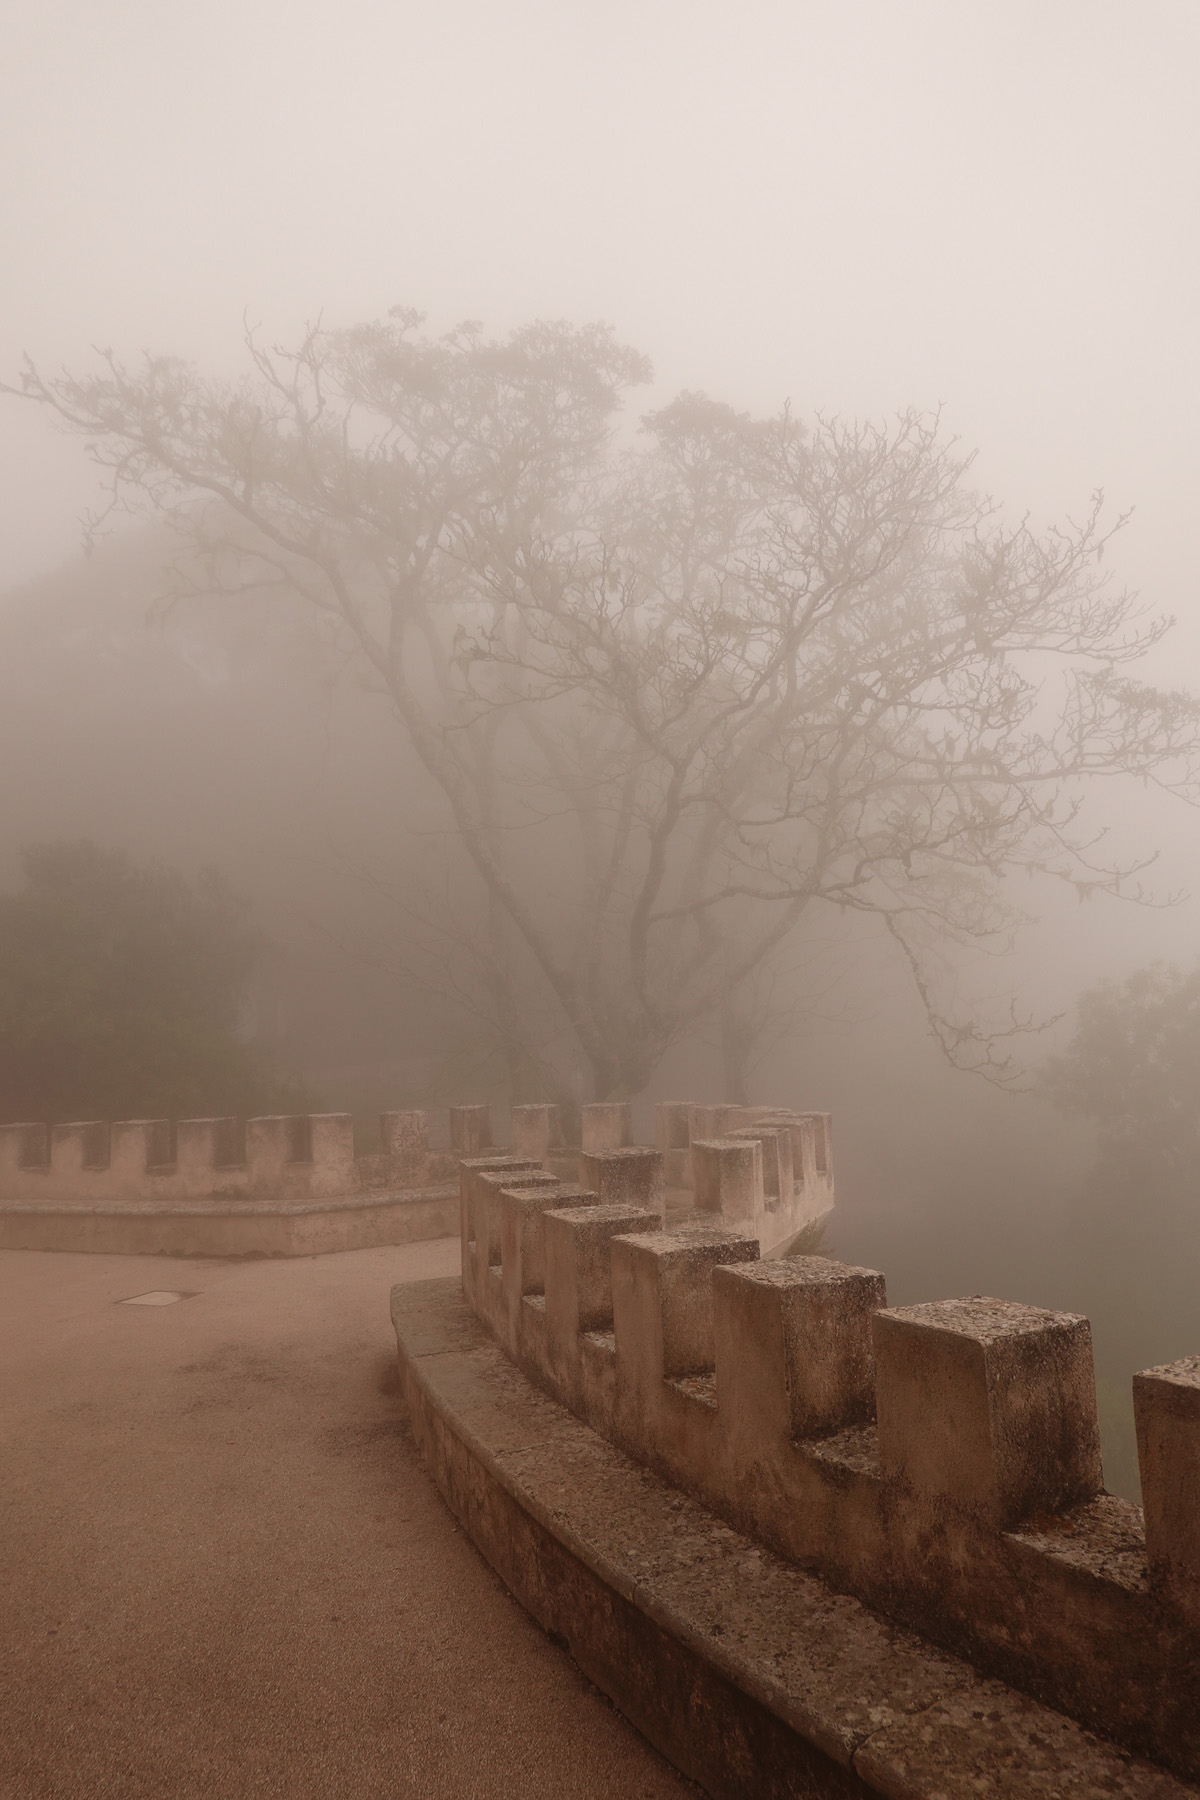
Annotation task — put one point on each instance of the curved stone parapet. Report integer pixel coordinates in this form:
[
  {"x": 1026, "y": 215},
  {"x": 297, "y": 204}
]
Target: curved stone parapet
[
  {"x": 753, "y": 1676},
  {"x": 279, "y": 1186},
  {"x": 767, "y": 1170},
  {"x": 90, "y": 1184},
  {"x": 304, "y": 1156},
  {"x": 939, "y": 1462},
  {"x": 280, "y": 1228}
]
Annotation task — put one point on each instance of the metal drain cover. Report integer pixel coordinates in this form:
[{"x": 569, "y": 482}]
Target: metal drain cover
[{"x": 156, "y": 1297}]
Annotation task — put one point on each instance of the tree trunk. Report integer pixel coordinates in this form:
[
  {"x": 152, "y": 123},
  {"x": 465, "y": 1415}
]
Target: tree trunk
[{"x": 737, "y": 1041}]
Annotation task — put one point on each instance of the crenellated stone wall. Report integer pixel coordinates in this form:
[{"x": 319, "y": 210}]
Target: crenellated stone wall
[
  {"x": 283, "y": 1186},
  {"x": 298, "y": 1157},
  {"x": 136, "y": 1184},
  {"x": 939, "y": 1462}
]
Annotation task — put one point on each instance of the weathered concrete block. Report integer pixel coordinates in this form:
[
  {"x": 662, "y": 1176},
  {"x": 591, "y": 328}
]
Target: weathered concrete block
[
  {"x": 710, "y": 1121},
  {"x": 988, "y": 1404},
  {"x": 331, "y": 1152},
  {"x": 266, "y": 1150},
  {"x": 822, "y": 1130},
  {"x": 470, "y": 1129},
  {"x": 607, "y": 1125},
  {"x": 671, "y": 1125},
  {"x": 486, "y": 1189},
  {"x": 405, "y": 1139},
  {"x": 674, "y": 1142},
  {"x": 82, "y": 1146},
  {"x": 813, "y": 1148},
  {"x": 516, "y": 1213},
  {"x": 138, "y": 1145},
  {"x": 469, "y": 1168},
  {"x": 793, "y": 1348},
  {"x": 812, "y": 1144},
  {"x": 404, "y": 1132},
  {"x": 578, "y": 1267},
  {"x": 522, "y": 1209},
  {"x": 628, "y": 1177},
  {"x": 1166, "y": 1409},
  {"x": 776, "y": 1143},
  {"x": 663, "y": 1300},
  {"x": 536, "y": 1130},
  {"x": 205, "y": 1145},
  {"x": 677, "y": 1168},
  {"x": 273, "y": 1143},
  {"x": 727, "y": 1177},
  {"x": 23, "y": 1146}
]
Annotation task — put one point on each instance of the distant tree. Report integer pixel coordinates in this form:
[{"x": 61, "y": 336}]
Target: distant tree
[
  {"x": 1132, "y": 1231},
  {"x": 679, "y": 698},
  {"x": 1133, "y": 1065},
  {"x": 120, "y": 992}
]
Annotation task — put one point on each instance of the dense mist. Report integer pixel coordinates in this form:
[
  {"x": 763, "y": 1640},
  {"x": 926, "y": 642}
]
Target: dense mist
[{"x": 853, "y": 211}]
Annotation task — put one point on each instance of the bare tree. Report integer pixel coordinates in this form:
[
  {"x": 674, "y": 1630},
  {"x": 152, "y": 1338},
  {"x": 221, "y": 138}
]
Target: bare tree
[{"x": 678, "y": 697}]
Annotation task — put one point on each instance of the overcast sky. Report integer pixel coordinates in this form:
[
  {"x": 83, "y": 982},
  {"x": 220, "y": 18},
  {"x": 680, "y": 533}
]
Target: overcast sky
[{"x": 857, "y": 205}]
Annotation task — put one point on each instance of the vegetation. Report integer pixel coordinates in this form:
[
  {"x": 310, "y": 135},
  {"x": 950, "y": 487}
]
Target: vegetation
[
  {"x": 679, "y": 699},
  {"x": 1133, "y": 1067},
  {"x": 121, "y": 993}
]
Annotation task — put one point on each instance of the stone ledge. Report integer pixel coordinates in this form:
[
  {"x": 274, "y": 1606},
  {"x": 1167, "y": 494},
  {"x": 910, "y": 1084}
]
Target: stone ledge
[
  {"x": 216, "y": 1228},
  {"x": 754, "y": 1678}
]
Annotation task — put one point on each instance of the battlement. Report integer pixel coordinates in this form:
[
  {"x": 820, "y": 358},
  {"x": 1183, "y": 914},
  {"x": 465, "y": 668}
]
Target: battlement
[
  {"x": 939, "y": 1462},
  {"x": 305, "y": 1156},
  {"x": 313, "y": 1156},
  {"x": 769, "y": 1168}
]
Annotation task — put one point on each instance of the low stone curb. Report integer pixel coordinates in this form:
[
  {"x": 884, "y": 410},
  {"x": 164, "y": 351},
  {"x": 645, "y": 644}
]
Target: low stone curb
[
  {"x": 210, "y": 1228},
  {"x": 755, "y": 1679}
]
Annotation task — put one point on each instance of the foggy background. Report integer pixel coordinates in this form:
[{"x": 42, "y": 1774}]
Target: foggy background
[{"x": 989, "y": 207}]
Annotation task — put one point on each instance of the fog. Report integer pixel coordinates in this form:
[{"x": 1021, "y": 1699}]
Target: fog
[{"x": 990, "y": 209}]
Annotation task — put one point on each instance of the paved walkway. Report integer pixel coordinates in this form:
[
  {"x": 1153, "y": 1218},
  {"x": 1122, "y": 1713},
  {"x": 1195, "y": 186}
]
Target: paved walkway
[{"x": 224, "y": 1573}]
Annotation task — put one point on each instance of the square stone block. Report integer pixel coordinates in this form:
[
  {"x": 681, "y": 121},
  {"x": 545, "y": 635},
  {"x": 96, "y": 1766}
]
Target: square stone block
[
  {"x": 470, "y": 1167},
  {"x": 711, "y": 1121},
  {"x": 988, "y": 1404},
  {"x": 138, "y": 1145},
  {"x": 84, "y": 1145},
  {"x": 24, "y": 1146},
  {"x": 523, "y": 1231},
  {"x": 631, "y": 1176},
  {"x": 487, "y": 1187},
  {"x": 671, "y": 1125},
  {"x": 606, "y": 1125},
  {"x": 470, "y": 1129},
  {"x": 778, "y": 1180},
  {"x": 793, "y": 1345},
  {"x": 578, "y": 1249},
  {"x": 405, "y": 1139},
  {"x": 727, "y": 1176},
  {"x": 536, "y": 1130},
  {"x": 273, "y": 1144},
  {"x": 663, "y": 1299},
  {"x": 331, "y": 1147},
  {"x": 1166, "y": 1410}
]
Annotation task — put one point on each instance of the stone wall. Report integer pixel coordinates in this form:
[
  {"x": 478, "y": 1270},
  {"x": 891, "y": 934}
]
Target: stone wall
[
  {"x": 161, "y": 1161},
  {"x": 282, "y": 1185},
  {"x": 940, "y": 1462},
  {"x": 766, "y": 1169},
  {"x": 771, "y": 1169}
]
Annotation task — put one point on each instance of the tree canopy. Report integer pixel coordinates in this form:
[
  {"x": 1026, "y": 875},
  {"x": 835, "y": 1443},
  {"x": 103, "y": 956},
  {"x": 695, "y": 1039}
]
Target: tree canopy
[
  {"x": 121, "y": 989},
  {"x": 1133, "y": 1065},
  {"x": 681, "y": 692}
]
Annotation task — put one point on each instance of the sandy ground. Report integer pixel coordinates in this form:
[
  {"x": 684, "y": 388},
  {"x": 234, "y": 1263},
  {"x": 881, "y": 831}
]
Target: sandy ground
[{"x": 224, "y": 1570}]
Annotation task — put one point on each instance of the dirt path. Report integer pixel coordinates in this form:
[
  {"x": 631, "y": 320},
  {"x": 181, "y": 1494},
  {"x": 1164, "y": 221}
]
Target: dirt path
[{"x": 224, "y": 1571}]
